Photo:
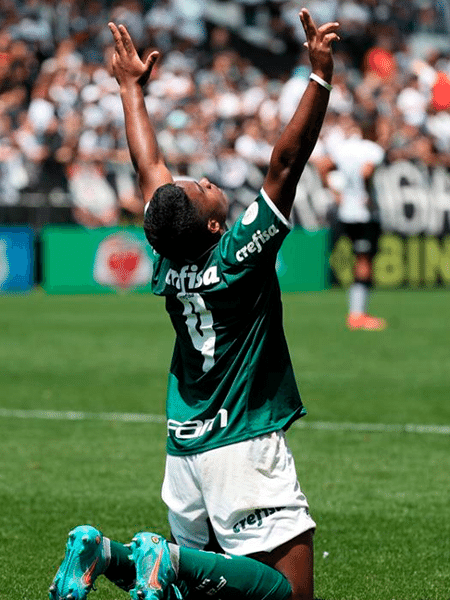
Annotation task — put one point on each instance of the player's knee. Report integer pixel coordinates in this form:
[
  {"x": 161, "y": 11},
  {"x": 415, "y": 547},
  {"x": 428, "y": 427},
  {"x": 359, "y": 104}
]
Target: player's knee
[
  {"x": 302, "y": 588},
  {"x": 298, "y": 566},
  {"x": 302, "y": 595}
]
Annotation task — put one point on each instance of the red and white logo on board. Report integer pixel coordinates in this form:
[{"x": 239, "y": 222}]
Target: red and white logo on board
[{"x": 121, "y": 261}]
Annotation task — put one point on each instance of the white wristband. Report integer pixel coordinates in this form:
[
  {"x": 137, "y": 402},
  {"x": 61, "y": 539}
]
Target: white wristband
[{"x": 321, "y": 82}]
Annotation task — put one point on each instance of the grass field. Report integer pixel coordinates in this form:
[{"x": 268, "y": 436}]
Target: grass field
[{"x": 379, "y": 493}]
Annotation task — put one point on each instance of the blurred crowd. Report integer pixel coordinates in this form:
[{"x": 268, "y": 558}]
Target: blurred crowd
[{"x": 216, "y": 110}]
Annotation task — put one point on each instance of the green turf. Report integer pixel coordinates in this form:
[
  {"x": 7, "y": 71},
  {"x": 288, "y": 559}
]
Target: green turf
[{"x": 381, "y": 500}]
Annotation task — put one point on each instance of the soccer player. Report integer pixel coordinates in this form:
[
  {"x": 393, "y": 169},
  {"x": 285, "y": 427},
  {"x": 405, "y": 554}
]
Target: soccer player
[
  {"x": 355, "y": 159},
  {"x": 230, "y": 480}
]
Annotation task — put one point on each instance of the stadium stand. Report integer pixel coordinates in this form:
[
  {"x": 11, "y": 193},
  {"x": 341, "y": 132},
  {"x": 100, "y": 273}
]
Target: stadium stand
[{"x": 230, "y": 74}]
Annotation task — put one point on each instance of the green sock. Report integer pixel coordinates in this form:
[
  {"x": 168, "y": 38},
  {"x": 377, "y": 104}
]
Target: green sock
[
  {"x": 121, "y": 569},
  {"x": 234, "y": 576}
]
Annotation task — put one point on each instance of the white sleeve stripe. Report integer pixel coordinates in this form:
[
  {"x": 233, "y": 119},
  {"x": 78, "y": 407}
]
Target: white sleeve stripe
[{"x": 272, "y": 206}]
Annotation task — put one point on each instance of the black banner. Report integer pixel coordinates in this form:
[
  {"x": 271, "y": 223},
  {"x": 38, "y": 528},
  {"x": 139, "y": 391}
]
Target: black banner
[{"x": 414, "y": 211}]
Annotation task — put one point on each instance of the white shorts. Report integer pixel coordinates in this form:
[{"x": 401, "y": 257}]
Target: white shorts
[{"x": 248, "y": 491}]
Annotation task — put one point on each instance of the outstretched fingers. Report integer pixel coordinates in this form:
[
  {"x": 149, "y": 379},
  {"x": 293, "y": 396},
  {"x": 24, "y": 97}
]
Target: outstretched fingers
[
  {"x": 117, "y": 38},
  {"x": 326, "y": 32},
  {"x": 127, "y": 66},
  {"x": 328, "y": 28},
  {"x": 122, "y": 40},
  {"x": 126, "y": 40},
  {"x": 319, "y": 43},
  {"x": 308, "y": 23},
  {"x": 151, "y": 59},
  {"x": 329, "y": 38}
]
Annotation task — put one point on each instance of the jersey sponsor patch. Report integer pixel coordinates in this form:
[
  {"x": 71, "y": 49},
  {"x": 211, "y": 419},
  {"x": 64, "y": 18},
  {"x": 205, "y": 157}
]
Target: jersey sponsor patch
[
  {"x": 197, "y": 428},
  {"x": 259, "y": 238},
  {"x": 190, "y": 278}
]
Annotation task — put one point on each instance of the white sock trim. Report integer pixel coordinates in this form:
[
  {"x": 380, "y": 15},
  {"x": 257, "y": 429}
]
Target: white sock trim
[
  {"x": 107, "y": 550},
  {"x": 358, "y": 298},
  {"x": 174, "y": 551}
]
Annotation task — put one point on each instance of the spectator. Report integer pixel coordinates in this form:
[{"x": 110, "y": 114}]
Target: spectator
[
  {"x": 250, "y": 10},
  {"x": 412, "y": 102},
  {"x": 13, "y": 175},
  {"x": 61, "y": 107},
  {"x": 252, "y": 145},
  {"x": 94, "y": 199}
]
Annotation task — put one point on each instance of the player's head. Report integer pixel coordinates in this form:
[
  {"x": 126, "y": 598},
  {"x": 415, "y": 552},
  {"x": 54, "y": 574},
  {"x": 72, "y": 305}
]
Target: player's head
[{"x": 185, "y": 219}]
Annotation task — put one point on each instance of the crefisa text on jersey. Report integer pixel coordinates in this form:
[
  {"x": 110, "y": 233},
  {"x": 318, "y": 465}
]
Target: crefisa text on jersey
[
  {"x": 188, "y": 278},
  {"x": 256, "y": 245}
]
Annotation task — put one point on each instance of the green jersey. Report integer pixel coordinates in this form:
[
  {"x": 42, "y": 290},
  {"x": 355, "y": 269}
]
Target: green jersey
[{"x": 231, "y": 376}]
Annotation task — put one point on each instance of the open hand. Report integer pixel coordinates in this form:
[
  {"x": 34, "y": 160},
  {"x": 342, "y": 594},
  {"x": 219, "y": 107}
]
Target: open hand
[
  {"x": 126, "y": 64},
  {"x": 318, "y": 42}
]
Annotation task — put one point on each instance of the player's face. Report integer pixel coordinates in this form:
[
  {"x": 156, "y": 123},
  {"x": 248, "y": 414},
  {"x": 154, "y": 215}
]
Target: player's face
[{"x": 210, "y": 200}]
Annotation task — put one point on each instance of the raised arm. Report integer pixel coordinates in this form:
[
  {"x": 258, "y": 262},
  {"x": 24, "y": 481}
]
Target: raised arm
[
  {"x": 297, "y": 141},
  {"x": 132, "y": 74}
]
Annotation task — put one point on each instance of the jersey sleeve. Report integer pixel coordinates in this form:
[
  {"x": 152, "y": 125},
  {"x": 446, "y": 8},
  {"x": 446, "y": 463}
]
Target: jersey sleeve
[{"x": 255, "y": 237}]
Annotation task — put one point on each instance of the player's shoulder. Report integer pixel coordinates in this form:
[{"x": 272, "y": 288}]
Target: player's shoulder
[{"x": 262, "y": 207}]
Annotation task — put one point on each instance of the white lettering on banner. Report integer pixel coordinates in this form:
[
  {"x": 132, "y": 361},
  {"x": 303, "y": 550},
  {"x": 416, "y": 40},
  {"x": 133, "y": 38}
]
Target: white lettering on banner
[
  {"x": 256, "y": 245},
  {"x": 189, "y": 278},
  {"x": 195, "y": 429},
  {"x": 404, "y": 187},
  {"x": 439, "y": 201},
  {"x": 412, "y": 199}
]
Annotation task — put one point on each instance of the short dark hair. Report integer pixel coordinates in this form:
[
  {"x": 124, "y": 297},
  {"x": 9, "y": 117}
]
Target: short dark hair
[{"x": 174, "y": 227}]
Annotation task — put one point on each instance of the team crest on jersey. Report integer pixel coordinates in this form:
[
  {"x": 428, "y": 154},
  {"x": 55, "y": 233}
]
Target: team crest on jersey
[{"x": 250, "y": 214}]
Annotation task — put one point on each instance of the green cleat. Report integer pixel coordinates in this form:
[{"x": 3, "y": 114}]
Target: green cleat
[
  {"x": 155, "y": 575},
  {"x": 87, "y": 556}
]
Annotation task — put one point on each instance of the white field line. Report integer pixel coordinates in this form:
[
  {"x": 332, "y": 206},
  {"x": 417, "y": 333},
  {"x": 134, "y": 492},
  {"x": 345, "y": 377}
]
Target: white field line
[{"x": 149, "y": 418}]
